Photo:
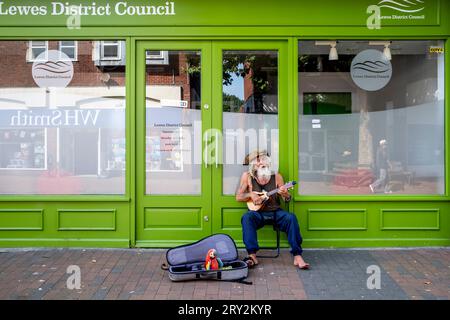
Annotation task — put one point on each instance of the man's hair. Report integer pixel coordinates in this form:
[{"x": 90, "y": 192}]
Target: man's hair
[{"x": 263, "y": 158}]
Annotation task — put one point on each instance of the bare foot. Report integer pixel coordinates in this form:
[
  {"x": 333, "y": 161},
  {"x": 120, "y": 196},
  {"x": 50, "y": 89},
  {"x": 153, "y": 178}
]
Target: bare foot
[
  {"x": 298, "y": 261},
  {"x": 253, "y": 256}
]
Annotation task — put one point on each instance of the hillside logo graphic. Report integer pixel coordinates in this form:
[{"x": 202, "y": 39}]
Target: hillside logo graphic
[
  {"x": 52, "y": 68},
  {"x": 370, "y": 70},
  {"x": 394, "y": 10}
]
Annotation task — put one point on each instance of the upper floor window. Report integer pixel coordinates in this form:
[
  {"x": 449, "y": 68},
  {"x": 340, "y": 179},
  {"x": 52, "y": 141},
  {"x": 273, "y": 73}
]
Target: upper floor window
[
  {"x": 157, "y": 57},
  {"x": 35, "y": 49},
  {"x": 70, "y": 48},
  {"x": 110, "y": 50}
]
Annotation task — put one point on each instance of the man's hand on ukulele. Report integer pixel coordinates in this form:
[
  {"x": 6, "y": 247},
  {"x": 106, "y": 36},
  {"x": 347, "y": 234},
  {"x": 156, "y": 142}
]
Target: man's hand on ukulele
[
  {"x": 283, "y": 192},
  {"x": 257, "y": 198}
]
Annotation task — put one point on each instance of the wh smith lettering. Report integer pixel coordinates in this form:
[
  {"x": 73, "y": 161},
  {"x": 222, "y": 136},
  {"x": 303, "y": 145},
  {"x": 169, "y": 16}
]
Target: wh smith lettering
[{"x": 55, "y": 118}]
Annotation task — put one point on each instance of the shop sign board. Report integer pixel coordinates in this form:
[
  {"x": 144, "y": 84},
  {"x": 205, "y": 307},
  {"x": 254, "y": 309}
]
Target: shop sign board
[{"x": 204, "y": 13}]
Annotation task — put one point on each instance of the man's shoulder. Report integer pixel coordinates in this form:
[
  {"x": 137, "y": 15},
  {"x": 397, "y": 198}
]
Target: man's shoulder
[
  {"x": 278, "y": 175},
  {"x": 245, "y": 176}
]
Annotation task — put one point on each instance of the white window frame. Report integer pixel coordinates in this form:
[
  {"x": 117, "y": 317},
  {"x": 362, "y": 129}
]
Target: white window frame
[
  {"x": 119, "y": 51},
  {"x": 30, "y": 51},
  {"x": 150, "y": 56},
  {"x": 161, "y": 59},
  {"x": 75, "y": 46}
]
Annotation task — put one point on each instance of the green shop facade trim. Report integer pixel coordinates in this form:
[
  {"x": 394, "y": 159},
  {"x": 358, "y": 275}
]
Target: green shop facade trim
[{"x": 80, "y": 164}]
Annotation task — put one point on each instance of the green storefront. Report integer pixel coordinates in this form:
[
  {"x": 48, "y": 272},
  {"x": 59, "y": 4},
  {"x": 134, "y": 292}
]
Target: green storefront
[{"x": 126, "y": 123}]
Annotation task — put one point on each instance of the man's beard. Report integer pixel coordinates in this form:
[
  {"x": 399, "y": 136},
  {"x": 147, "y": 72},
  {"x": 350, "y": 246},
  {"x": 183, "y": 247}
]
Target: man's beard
[{"x": 263, "y": 173}]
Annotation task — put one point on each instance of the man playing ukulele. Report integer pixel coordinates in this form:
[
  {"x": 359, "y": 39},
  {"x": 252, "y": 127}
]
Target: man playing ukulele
[{"x": 259, "y": 178}]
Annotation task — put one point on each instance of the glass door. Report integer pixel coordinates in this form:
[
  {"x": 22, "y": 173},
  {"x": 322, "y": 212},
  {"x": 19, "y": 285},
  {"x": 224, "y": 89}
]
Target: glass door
[
  {"x": 249, "y": 113},
  {"x": 172, "y": 174}
]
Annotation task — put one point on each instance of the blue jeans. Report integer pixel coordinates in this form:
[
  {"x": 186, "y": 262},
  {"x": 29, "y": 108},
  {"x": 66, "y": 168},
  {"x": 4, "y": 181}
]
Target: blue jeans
[{"x": 286, "y": 222}]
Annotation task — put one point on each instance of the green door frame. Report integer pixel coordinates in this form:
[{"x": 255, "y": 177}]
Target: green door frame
[
  {"x": 165, "y": 220},
  {"x": 154, "y": 227}
]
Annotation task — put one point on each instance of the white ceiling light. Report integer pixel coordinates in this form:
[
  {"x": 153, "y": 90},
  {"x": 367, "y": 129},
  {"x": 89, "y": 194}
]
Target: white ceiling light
[
  {"x": 386, "y": 44},
  {"x": 333, "y": 51}
]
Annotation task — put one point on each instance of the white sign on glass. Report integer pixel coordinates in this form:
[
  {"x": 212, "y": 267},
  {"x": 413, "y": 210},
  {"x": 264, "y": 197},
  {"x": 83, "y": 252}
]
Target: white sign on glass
[
  {"x": 371, "y": 70},
  {"x": 52, "y": 69}
]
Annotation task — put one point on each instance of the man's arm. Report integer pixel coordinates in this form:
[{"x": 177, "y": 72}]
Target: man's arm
[
  {"x": 283, "y": 190},
  {"x": 242, "y": 193}
]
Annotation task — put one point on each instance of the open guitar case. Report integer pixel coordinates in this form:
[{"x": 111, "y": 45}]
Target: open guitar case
[{"x": 186, "y": 262}]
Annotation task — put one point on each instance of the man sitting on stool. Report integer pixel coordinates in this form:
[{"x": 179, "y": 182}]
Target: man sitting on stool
[{"x": 258, "y": 178}]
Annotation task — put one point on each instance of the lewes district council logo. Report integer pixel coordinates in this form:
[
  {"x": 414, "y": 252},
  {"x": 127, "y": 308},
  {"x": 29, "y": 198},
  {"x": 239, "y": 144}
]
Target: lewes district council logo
[
  {"x": 394, "y": 10},
  {"x": 371, "y": 70},
  {"x": 52, "y": 68},
  {"x": 406, "y": 6}
]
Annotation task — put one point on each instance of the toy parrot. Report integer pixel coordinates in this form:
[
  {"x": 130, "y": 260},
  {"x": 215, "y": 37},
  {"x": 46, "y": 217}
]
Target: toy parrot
[{"x": 212, "y": 261}]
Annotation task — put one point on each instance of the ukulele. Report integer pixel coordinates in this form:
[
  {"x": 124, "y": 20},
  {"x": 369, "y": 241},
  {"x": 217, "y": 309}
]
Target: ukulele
[{"x": 266, "y": 195}]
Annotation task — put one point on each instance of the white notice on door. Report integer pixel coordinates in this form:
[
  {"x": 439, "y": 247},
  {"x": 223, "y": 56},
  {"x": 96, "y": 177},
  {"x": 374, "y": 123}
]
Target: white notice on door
[{"x": 174, "y": 103}]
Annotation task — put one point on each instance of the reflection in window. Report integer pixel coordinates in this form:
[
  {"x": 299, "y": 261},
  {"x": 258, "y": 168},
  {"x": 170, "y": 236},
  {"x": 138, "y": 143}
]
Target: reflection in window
[
  {"x": 61, "y": 139},
  {"x": 250, "y": 110},
  {"x": 69, "y": 48},
  {"x": 360, "y": 135},
  {"x": 23, "y": 149},
  {"x": 173, "y": 122},
  {"x": 110, "y": 50},
  {"x": 35, "y": 49}
]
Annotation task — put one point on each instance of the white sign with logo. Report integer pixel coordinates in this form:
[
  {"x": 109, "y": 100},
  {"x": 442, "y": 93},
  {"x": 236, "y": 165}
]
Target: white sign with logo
[
  {"x": 371, "y": 70},
  {"x": 52, "y": 68}
]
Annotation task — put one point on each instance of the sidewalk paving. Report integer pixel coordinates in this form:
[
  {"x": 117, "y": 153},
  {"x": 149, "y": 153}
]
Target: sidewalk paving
[{"x": 420, "y": 273}]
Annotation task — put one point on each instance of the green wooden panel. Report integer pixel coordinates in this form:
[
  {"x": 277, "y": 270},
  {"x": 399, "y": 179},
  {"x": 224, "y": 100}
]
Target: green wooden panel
[
  {"x": 68, "y": 224},
  {"x": 86, "y": 219},
  {"x": 172, "y": 218},
  {"x": 231, "y": 218},
  {"x": 337, "y": 219},
  {"x": 21, "y": 219},
  {"x": 410, "y": 219}
]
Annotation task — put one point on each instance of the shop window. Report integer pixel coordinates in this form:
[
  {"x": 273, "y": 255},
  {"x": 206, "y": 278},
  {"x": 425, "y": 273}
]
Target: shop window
[
  {"x": 250, "y": 100},
  {"x": 173, "y": 116},
  {"x": 70, "y": 48},
  {"x": 371, "y": 118},
  {"x": 35, "y": 48},
  {"x": 66, "y": 137}
]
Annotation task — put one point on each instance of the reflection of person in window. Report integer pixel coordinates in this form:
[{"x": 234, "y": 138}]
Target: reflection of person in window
[
  {"x": 259, "y": 177},
  {"x": 382, "y": 164}
]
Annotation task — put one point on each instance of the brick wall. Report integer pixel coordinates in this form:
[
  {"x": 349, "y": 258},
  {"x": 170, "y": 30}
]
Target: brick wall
[{"x": 16, "y": 71}]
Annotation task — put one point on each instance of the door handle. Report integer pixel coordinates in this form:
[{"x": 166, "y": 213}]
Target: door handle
[{"x": 206, "y": 218}]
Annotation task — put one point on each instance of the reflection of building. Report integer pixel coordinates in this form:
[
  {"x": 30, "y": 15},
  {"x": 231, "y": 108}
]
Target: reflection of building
[
  {"x": 341, "y": 123},
  {"x": 78, "y": 130}
]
